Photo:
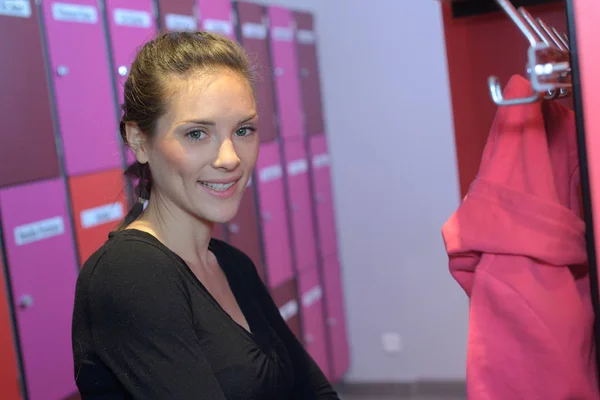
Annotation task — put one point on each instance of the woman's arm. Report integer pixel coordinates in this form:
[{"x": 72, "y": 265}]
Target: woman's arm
[{"x": 142, "y": 327}]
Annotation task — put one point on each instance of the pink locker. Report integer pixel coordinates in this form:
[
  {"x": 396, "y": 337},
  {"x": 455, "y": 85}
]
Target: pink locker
[
  {"x": 285, "y": 71},
  {"x": 285, "y": 297},
  {"x": 131, "y": 23},
  {"x": 273, "y": 214},
  {"x": 310, "y": 84},
  {"x": 43, "y": 270},
  {"x": 300, "y": 203},
  {"x": 82, "y": 85},
  {"x": 27, "y": 143},
  {"x": 253, "y": 36},
  {"x": 177, "y": 15},
  {"x": 313, "y": 321},
  {"x": 216, "y": 16},
  {"x": 322, "y": 195},
  {"x": 335, "y": 318}
]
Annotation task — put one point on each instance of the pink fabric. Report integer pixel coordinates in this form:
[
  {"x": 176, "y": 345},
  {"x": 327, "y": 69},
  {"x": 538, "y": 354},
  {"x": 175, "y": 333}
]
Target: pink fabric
[{"x": 516, "y": 246}]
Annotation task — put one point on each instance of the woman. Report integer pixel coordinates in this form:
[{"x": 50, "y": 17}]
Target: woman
[{"x": 162, "y": 311}]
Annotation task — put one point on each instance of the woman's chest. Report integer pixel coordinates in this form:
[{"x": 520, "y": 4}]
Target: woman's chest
[{"x": 246, "y": 365}]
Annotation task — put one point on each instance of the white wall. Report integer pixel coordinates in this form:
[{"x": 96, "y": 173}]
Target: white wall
[{"x": 389, "y": 121}]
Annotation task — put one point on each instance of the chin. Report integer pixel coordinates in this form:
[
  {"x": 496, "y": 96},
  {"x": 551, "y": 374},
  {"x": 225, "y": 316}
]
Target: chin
[{"x": 220, "y": 215}]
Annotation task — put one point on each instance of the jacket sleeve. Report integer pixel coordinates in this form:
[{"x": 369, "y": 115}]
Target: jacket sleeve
[
  {"x": 311, "y": 383},
  {"x": 143, "y": 329}
]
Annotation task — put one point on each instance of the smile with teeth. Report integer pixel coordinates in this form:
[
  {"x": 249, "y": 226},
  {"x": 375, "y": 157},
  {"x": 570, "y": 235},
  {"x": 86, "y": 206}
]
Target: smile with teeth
[{"x": 219, "y": 187}]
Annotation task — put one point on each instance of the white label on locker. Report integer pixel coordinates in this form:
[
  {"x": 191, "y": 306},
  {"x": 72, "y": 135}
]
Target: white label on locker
[
  {"x": 101, "y": 215},
  {"x": 39, "y": 230},
  {"x": 218, "y": 26},
  {"x": 178, "y": 22},
  {"x": 320, "y": 160},
  {"x": 289, "y": 309},
  {"x": 297, "y": 167},
  {"x": 74, "y": 13},
  {"x": 270, "y": 173},
  {"x": 133, "y": 18},
  {"x": 313, "y": 295},
  {"x": 304, "y": 36},
  {"x": 252, "y": 30},
  {"x": 282, "y": 34},
  {"x": 15, "y": 8}
]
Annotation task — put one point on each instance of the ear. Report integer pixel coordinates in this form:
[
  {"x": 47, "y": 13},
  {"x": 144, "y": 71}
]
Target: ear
[{"x": 136, "y": 140}]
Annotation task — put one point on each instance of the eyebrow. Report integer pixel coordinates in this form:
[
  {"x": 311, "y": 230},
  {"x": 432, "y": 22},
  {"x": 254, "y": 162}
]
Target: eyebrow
[{"x": 213, "y": 123}]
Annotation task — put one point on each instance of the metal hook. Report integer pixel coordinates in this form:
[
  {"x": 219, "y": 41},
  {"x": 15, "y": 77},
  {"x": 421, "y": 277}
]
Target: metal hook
[
  {"x": 521, "y": 23},
  {"x": 537, "y": 28},
  {"x": 551, "y": 34},
  {"x": 496, "y": 91}
]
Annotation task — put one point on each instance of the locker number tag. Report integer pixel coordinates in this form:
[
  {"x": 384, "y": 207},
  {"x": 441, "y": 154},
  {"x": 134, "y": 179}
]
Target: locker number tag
[
  {"x": 320, "y": 160},
  {"x": 251, "y": 30},
  {"x": 74, "y": 13},
  {"x": 270, "y": 173},
  {"x": 177, "y": 22},
  {"x": 132, "y": 18},
  {"x": 311, "y": 296},
  {"x": 304, "y": 36},
  {"x": 218, "y": 26},
  {"x": 282, "y": 34},
  {"x": 297, "y": 167},
  {"x": 15, "y": 8},
  {"x": 101, "y": 215},
  {"x": 289, "y": 309},
  {"x": 39, "y": 230}
]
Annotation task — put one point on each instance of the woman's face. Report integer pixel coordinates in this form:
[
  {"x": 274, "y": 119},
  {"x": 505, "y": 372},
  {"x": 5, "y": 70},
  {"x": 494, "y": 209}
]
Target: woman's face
[{"x": 205, "y": 146}]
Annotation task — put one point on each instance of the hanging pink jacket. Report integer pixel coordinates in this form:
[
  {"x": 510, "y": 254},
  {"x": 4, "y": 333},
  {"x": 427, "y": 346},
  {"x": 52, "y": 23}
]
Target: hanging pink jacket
[{"x": 516, "y": 246}]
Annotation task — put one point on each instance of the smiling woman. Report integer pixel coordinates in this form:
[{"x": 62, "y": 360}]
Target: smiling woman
[{"x": 162, "y": 310}]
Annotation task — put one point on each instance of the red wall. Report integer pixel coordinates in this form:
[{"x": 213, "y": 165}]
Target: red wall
[{"x": 478, "y": 47}]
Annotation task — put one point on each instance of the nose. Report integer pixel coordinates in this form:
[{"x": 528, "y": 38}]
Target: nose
[{"x": 227, "y": 157}]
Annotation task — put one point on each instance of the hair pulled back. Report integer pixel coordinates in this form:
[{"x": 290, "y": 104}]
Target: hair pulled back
[{"x": 174, "y": 54}]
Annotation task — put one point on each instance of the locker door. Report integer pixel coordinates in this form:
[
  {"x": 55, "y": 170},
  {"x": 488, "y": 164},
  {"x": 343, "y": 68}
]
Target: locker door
[
  {"x": 322, "y": 195},
  {"x": 313, "y": 321},
  {"x": 300, "y": 206},
  {"x": 26, "y": 114},
  {"x": 276, "y": 239},
  {"x": 9, "y": 371},
  {"x": 253, "y": 36},
  {"x": 285, "y": 67},
  {"x": 131, "y": 23},
  {"x": 244, "y": 232},
  {"x": 336, "y": 318},
  {"x": 99, "y": 204},
  {"x": 43, "y": 272},
  {"x": 82, "y": 85},
  {"x": 310, "y": 84},
  {"x": 286, "y": 299},
  {"x": 216, "y": 16},
  {"x": 177, "y": 15}
]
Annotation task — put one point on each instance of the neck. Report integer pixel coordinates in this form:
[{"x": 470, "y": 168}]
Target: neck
[{"x": 186, "y": 235}]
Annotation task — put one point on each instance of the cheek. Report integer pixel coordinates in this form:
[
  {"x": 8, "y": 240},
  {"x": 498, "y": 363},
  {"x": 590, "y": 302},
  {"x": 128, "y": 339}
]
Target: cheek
[{"x": 175, "y": 159}]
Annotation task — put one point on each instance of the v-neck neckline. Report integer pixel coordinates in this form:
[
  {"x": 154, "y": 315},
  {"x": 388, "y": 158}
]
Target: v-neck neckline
[{"x": 250, "y": 334}]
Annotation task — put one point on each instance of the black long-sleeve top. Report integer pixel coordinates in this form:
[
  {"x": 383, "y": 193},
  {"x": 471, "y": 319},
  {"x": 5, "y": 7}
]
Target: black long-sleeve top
[{"x": 144, "y": 327}]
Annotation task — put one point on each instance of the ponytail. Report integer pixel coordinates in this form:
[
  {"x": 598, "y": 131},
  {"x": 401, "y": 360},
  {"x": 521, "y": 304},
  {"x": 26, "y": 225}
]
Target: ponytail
[{"x": 141, "y": 173}]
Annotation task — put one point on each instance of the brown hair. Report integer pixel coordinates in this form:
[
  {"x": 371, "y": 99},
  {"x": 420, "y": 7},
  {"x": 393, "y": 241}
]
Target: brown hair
[{"x": 169, "y": 54}]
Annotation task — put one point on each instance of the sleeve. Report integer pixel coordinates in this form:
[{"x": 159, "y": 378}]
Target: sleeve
[
  {"x": 143, "y": 330},
  {"x": 311, "y": 383}
]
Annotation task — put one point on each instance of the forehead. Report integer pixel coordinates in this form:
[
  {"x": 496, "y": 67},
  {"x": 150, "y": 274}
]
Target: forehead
[{"x": 214, "y": 94}]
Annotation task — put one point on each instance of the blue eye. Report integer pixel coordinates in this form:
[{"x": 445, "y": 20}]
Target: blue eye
[
  {"x": 196, "y": 134},
  {"x": 245, "y": 131}
]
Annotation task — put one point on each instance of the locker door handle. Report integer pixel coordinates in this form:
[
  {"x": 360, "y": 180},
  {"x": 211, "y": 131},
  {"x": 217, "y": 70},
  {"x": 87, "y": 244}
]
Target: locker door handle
[
  {"x": 295, "y": 207},
  {"x": 26, "y": 301},
  {"x": 266, "y": 216},
  {"x": 123, "y": 70},
  {"x": 304, "y": 72},
  {"x": 318, "y": 198},
  {"x": 308, "y": 338},
  {"x": 234, "y": 228},
  {"x": 62, "y": 70},
  {"x": 279, "y": 71},
  {"x": 331, "y": 321}
]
